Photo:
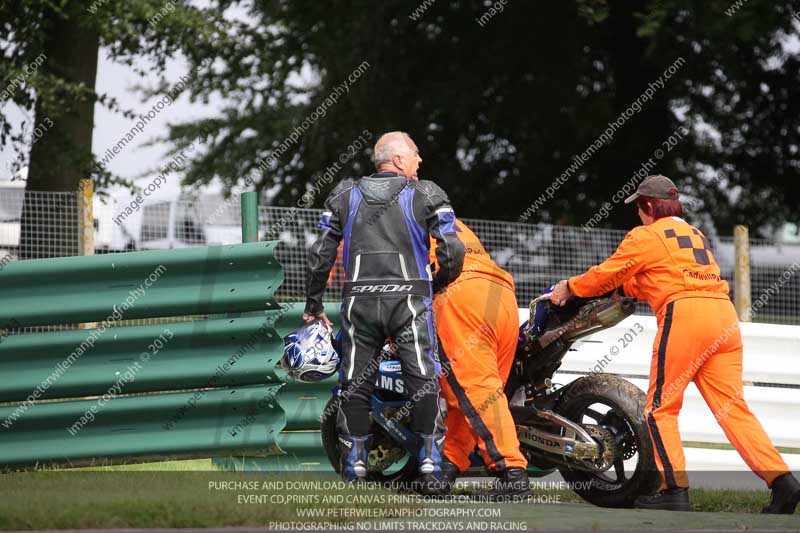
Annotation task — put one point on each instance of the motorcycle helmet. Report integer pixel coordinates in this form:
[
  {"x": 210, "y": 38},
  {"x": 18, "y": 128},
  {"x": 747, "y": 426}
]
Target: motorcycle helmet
[
  {"x": 308, "y": 353},
  {"x": 534, "y": 326},
  {"x": 539, "y": 319}
]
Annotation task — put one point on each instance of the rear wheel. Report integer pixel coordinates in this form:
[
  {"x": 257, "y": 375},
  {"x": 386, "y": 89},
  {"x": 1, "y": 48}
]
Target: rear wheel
[
  {"x": 388, "y": 461},
  {"x": 611, "y": 410}
]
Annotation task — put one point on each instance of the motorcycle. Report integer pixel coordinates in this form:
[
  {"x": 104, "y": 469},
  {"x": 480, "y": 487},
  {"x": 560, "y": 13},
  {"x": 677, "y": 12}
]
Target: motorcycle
[{"x": 592, "y": 430}]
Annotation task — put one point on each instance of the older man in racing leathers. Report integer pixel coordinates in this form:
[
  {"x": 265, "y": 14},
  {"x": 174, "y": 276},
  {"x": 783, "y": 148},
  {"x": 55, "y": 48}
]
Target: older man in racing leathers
[{"x": 385, "y": 222}]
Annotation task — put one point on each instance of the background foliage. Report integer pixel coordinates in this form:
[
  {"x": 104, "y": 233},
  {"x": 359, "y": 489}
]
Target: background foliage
[{"x": 499, "y": 110}]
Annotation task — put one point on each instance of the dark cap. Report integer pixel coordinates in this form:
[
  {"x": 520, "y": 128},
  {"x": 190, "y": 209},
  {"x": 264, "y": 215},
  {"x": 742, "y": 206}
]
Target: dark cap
[{"x": 655, "y": 187}]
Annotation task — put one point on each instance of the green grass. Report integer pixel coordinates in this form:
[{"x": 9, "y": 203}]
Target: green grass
[
  {"x": 176, "y": 494},
  {"x": 97, "y": 499},
  {"x": 728, "y": 501},
  {"x": 205, "y": 465},
  {"x": 188, "y": 465}
]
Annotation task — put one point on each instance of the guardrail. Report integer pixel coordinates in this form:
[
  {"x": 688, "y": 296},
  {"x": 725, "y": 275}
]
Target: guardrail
[
  {"x": 772, "y": 390},
  {"x": 160, "y": 283},
  {"x": 175, "y": 389}
]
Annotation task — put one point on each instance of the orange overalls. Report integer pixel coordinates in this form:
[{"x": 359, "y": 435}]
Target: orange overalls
[
  {"x": 478, "y": 325},
  {"x": 669, "y": 264}
]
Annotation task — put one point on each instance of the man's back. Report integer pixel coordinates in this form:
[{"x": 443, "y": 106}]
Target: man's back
[
  {"x": 379, "y": 233},
  {"x": 384, "y": 222}
]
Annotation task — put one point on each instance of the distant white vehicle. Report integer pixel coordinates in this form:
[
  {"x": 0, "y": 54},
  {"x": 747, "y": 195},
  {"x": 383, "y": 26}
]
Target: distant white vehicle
[
  {"x": 11, "y": 195},
  {"x": 108, "y": 237},
  {"x": 203, "y": 220},
  {"x": 173, "y": 218},
  {"x": 789, "y": 233}
]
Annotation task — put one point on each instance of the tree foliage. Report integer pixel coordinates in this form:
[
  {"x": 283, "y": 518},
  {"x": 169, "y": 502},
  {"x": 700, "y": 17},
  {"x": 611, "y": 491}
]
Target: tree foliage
[
  {"x": 500, "y": 107},
  {"x": 49, "y": 60},
  {"x": 50, "y": 56},
  {"x": 500, "y": 96}
]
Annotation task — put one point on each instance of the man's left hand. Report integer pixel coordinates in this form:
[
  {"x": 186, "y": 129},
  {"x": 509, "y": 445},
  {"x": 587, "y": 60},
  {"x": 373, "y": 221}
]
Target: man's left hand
[
  {"x": 309, "y": 318},
  {"x": 560, "y": 293}
]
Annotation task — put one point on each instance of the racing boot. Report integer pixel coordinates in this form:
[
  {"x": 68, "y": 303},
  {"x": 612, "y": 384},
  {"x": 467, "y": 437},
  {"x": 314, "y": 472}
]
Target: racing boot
[
  {"x": 785, "y": 495},
  {"x": 430, "y": 479},
  {"x": 512, "y": 485},
  {"x": 354, "y": 451},
  {"x": 450, "y": 473},
  {"x": 667, "y": 500}
]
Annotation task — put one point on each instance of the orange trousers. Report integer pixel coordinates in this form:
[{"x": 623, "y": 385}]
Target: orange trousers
[
  {"x": 478, "y": 325},
  {"x": 699, "y": 340}
]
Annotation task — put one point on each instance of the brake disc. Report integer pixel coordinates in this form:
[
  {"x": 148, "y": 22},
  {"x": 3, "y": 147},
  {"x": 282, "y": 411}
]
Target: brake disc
[
  {"x": 625, "y": 440},
  {"x": 628, "y": 446}
]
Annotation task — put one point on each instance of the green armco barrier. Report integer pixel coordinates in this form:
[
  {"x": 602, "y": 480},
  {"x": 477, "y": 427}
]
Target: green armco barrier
[
  {"x": 110, "y": 392},
  {"x": 220, "y": 422},
  {"x": 303, "y": 453},
  {"x": 304, "y": 403},
  {"x": 190, "y": 281},
  {"x": 292, "y": 317},
  {"x": 300, "y": 442},
  {"x": 317, "y": 462},
  {"x": 200, "y": 354},
  {"x": 277, "y": 463}
]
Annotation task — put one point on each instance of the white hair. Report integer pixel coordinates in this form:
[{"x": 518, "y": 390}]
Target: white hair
[{"x": 389, "y": 145}]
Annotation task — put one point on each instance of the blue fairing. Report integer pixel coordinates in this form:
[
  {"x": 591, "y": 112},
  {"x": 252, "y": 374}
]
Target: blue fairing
[
  {"x": 325, "y": 221},
  {"x": 399, "y": 432},
  {"x": 390, "y": 377}
]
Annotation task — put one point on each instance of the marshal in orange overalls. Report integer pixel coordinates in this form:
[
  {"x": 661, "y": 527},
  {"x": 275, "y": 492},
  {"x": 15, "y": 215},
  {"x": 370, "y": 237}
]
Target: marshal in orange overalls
[
  {"x": 669, "y": 264},
  {"x": 478, "y": 325}
]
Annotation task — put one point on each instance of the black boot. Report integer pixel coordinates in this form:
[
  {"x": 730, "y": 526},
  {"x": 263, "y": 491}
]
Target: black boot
[
  {"x": 666, "y": 500},
  {"x": 430, "y": 480},
  {"x": 512, "y": 485},
  {"x": 450, "y": 472},
  {"x": 785, "y": 495},
  {"x": 354, "y": 451}
]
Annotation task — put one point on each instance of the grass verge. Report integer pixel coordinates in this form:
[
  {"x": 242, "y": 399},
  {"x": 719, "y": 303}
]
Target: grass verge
[{"x": 100, "y": 498}]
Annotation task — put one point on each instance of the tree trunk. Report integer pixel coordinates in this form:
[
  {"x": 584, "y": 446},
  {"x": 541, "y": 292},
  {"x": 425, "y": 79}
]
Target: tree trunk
[{"x": 62, "y": 147}]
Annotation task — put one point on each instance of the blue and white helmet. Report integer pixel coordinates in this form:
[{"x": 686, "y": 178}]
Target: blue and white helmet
[{"x": 308, "y": 354}]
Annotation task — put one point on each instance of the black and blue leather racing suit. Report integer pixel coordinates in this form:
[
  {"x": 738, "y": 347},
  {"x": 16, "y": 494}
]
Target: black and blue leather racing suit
[{"x": 385, "y": 221}]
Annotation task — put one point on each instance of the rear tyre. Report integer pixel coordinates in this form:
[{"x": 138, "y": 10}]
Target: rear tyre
[{"x": 611, "y": 409}]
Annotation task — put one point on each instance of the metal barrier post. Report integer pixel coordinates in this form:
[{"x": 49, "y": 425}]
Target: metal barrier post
[
  {"x": 742, "y": 273},
  {"x": 250, "y": 216},
  {"x": 86, "y": 220},
  {"x": 86, "y": 227}
]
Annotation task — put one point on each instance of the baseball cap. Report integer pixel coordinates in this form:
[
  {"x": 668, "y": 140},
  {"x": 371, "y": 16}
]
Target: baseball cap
[{"x": 657, "y": 186}]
